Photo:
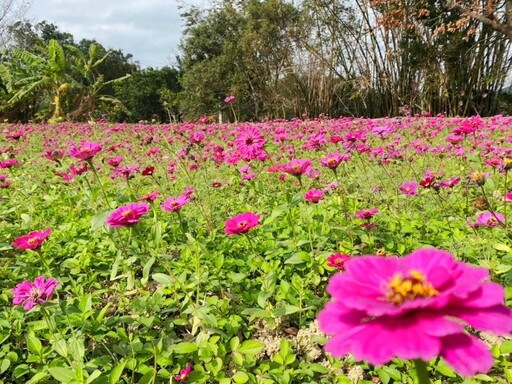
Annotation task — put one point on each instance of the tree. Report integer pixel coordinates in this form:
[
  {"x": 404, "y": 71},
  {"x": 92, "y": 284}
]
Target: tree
[{"x": 144, "y": 93}]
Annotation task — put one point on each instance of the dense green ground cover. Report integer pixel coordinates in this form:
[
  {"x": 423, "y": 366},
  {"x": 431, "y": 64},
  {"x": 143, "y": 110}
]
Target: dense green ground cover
[{"x": 139, "y": 303}]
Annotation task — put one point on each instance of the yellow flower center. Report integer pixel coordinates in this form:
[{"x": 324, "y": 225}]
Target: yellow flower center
[
  {"x": 242, "y": 224},
  {"x": 32, "y": 240},
  {"x": 402, "y": 289},
  {"x": 127, "y": 212}
]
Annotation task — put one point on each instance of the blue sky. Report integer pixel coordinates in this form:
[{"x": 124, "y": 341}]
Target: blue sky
[{"x": 148, "y": 29}]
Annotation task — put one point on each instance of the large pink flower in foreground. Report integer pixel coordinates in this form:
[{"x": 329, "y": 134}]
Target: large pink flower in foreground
[
  {"x": 30, "y": 294},
  {"x": 415, "y": 307},
  {"x": 87, "y": 150},
  {"x": 31, "y": 241},
  {"x": 127, "y": 215},
  {"x": 241, "y": 223}
]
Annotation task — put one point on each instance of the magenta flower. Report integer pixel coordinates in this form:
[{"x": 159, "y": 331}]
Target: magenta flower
[
  {"x": 8, "y": 163},
  {"x": 333, "y": 160},
  {"x": 338, "y": 260},
  {"x": 409, "y": 188},
  {"x": 415, "y": 307},
  {"x": 127, "y": 215},
  {"x": 297, "y": 167},
  {"x": 488, "y": 219},
  {"x": 366, "y": 214},
  {"x": 31, "y": 241},
  {"x": 314, "y": 195},
  {"x": 149, "y": 197},
  {"x": 174, "y": 204},
  {"x": 250, "y": 143},
  {"x": 229, "y": 99},
  {"x": 87, "y": 150},
  {"x": 241, "y": 223},
  {"x": 184, "y": 373},
  {"x": 30, "y": 294}
]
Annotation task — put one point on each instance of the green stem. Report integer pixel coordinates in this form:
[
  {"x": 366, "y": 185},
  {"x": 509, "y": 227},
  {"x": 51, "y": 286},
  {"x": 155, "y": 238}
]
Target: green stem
[
  {"x": 43, "y": 261},
  {"x": 99, "y": 182},
  {"x": 422, "y": 372},
  {"x": 505, "y": 199}
]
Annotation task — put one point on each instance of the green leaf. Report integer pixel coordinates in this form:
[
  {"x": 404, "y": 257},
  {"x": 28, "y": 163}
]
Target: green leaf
[
  {"x": 295, "y": 259},
  {"x": 61, "y": 348},
  {"x": 33, "y": 344},
  {"x": 98, "y": 220},
  {"x": 62, "y": 374},
  {"x": 502, "y": 247},
  {"x": 147, "y": 269},
  {"x": 251, "y": 347},
  {"x": 184, "y": 348},
  {"x": 162, "y": 278},
  {"x": 37, "y": 377},
  {"x": 116, "y": 372},
  {"x": 234, "y": 343},
  {"x": 4, "y": 365},
  {"x": 240, "y": 377},
  {"x": 286, "y": 310},
  {"x": 444, "y": 369},
  {"x": 506, "y": 347}
]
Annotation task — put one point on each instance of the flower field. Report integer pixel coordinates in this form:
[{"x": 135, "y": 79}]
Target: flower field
[{"x": 307, "y": 251}]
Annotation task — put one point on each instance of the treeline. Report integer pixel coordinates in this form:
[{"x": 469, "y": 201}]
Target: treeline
[
  {"x": 46, "y": 76},
  {"x": 279, "y": 59}
]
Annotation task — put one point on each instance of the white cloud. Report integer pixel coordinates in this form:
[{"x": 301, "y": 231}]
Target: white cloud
[{"x": 148, "y": 29}]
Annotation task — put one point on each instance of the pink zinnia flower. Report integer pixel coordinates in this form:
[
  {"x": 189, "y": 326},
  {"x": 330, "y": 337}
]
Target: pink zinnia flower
[
  {"x": 149, "y": 197},
  {"x": 87, "y": 150},
  {"x": 409, "y": 188},
  {"x": 127, "y": 215},
  {"x": 366, "y": 214},
  {"x": 333, "y": 160},
  {"x": 197, "y": 137},
  {"x": 174, "y": 204},
  {"x": 184, "y": 373},
  {"x": 8, "y": 163},
  {"x": 31, "y": 241},
  {"x": 297, "y": 167},
  {"x": 338, "y": 260},
  {"x": 488, "y": 219},
  {"x": 241, "y": 223},
  {"x": 115, "y": 161},
  {"x": 314, "y": 195},
  {"x": 415, "y": 307},
  {"x": 30, "y": 294},
  {"x": 250, "y": 143},
  {"x": 229, "y": 99}
]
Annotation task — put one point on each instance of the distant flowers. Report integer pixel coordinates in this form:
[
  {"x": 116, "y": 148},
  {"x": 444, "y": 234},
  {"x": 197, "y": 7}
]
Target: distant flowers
[
  {"x": 229, "y": 99},
  {"x": 338, "y": 260},
  {"x": 32, "y": 241},
  {"x": 488, "y": 219},
  {"x": 30, "y": 294},
  {"x": 241, "y": 223},
  {"x": 127, "y": 215},
  {"x": 415, "y": 307}
]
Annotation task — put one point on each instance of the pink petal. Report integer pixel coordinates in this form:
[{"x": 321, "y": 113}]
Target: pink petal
[
  {"x": 496, "y": 319},
  {"x": 335, "y": 319},
  {"x": 489, "y": 295},
  {"x": 379, "y": 340},
  {"x": 466, "y": 354}
]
